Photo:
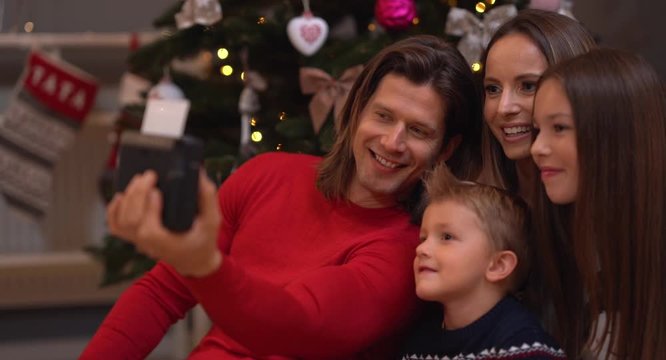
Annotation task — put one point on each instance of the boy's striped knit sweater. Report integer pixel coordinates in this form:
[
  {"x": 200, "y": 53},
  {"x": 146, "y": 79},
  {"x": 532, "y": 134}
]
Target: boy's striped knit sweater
[{"x": 507, "y": 331}]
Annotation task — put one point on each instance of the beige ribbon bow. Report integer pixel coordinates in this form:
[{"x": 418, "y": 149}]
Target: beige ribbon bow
[
  {"x": 476, "y": 33},
  {"x": 328, "y": 92}
]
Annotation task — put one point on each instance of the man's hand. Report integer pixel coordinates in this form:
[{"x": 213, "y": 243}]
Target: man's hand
[{"x": 136, "y": 216}]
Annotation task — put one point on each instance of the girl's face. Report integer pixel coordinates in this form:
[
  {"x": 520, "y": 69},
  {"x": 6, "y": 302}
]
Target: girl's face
[
  {"x": 554, "y": 149},
  {"x": 513, "y": 68}
]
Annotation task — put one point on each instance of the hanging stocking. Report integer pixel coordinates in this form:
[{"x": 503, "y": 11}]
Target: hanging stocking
[{"x": 47, "y": 110}]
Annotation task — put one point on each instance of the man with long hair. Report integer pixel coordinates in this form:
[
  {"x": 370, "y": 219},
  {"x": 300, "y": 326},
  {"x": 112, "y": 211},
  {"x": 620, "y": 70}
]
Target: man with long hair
[{"x": 298, "y": 256}]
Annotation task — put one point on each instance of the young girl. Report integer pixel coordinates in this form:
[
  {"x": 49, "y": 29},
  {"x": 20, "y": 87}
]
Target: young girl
[
  {"x": 601, "y": 207},
  {"x": 516, "y": 56}
]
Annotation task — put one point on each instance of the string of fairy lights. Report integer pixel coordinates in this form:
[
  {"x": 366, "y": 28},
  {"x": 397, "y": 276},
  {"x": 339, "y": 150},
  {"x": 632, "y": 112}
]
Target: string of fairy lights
[{"x": 228, "y": 70}]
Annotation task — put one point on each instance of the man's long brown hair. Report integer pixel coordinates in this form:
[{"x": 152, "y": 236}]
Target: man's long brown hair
[
  {"x": 422, "y": 60},
  {"x": 607, "y": 251}
]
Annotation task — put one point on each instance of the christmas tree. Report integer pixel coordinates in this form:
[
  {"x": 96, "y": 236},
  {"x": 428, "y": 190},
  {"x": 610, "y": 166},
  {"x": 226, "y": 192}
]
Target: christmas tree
[{"x": 269, "y": 75}]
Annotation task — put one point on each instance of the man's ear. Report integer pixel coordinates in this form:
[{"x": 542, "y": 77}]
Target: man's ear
[
  {"x": 501, "y": 266},
  {"x": 449, "y": 148}
]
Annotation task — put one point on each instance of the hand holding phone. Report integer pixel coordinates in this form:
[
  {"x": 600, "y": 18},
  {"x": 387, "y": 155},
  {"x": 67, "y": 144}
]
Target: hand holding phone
[{"x": 176, "y": 162}]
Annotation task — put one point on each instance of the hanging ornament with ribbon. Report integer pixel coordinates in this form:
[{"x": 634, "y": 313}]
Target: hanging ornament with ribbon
[
  {"x": 248, "y": 104},
  {"x": 202, "y": 12},
  {"x": 475, "y": 34},
  {"x": 307, "y": 32},
  {"x": 395, "y": 14},
  {"x": 328, "y": 92},
  {"x": 166, "y": 89}
]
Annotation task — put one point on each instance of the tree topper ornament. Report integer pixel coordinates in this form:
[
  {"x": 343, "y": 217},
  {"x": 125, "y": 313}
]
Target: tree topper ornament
[
  {"x": 476, "y": 33},
  {"x": 307, "y": 32}
]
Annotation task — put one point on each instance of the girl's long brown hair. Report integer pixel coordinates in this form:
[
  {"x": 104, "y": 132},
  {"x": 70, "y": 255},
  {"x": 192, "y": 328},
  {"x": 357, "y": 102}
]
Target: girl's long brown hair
[{"x": 607, "y": 251}]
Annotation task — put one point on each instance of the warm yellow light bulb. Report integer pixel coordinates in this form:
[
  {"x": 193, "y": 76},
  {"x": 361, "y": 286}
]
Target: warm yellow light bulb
[
  {"x": 256, "y": 136},
  {"x": 491, "y": 2},
  {"x": 29, "y": 26},
  {"x": 416, "y": 20},
  {"x": 261, "y": 20},
  {"x": 253, "y": 122},
  {"x": 282, "y": 116},
  {"x": 242, "y": 75},
  {"x": 222, "y": 53},
  {"x": 278, "y": 147},
  {"x": 372, "y": 27},
  {"x": 476, "y": 67},
  {"x": 226, "y": 70},
  {"x": 480, "y": 7}
]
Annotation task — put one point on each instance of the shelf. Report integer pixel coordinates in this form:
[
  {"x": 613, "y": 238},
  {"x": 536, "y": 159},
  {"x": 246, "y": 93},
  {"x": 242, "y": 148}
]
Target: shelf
[{"x": 75, "y": 40}]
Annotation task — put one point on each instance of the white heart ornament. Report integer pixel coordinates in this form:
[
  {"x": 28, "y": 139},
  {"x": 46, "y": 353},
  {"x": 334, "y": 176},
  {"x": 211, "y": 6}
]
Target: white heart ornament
[{"x": 307, "y": 33}]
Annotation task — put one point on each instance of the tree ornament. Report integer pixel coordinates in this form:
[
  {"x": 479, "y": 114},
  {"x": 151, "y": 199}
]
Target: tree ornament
[
  {"x": 248, "y": 104},
  {"x": 395, "y": 14},
  {"x": 327, "y": 92},
  {"x": 475, "y": 34},
  {"x": 166, "y": 89},
  {"x": 307, "y": 33},
  {"x": 202, "y": 12}
]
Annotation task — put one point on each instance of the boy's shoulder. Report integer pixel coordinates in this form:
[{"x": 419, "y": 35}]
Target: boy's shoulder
[
  {"x": 507, "y": 331},
  {"x": 519, "y": 334}
]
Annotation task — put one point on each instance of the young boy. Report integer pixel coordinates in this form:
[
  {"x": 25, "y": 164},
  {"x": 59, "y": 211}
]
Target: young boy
[{"x": 472, "y": 256}]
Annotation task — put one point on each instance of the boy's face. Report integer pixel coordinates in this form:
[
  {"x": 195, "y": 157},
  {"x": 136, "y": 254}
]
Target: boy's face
[{"x": 454, "y": 254}]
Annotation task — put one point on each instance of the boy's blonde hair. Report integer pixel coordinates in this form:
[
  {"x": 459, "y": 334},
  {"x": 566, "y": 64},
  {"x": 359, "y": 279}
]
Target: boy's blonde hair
[{"x": 502, "y": 216}]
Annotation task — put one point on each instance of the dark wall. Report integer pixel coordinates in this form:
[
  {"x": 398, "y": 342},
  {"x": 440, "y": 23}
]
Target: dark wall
[{"x": 635, "y": 25}]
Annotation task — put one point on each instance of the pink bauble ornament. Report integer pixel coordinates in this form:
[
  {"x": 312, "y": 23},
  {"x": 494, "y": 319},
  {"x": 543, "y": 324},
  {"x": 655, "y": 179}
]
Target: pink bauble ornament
[
  {"x": 550, "y": 5},
  {"x": 395, "y": 14}
]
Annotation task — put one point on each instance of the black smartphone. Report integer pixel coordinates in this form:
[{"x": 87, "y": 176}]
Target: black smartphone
[{"x": 176, "y": 162}]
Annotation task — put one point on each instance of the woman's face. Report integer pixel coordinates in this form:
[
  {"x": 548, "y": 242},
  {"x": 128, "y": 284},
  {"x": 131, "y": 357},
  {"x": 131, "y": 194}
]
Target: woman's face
[
  {"x": 554, "y": 149},
  {"x": 513, "y": 68}
]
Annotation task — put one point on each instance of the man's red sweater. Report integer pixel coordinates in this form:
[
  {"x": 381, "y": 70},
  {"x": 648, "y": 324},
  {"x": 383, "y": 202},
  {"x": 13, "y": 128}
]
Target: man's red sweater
[{"x": 302, "y": 276}]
